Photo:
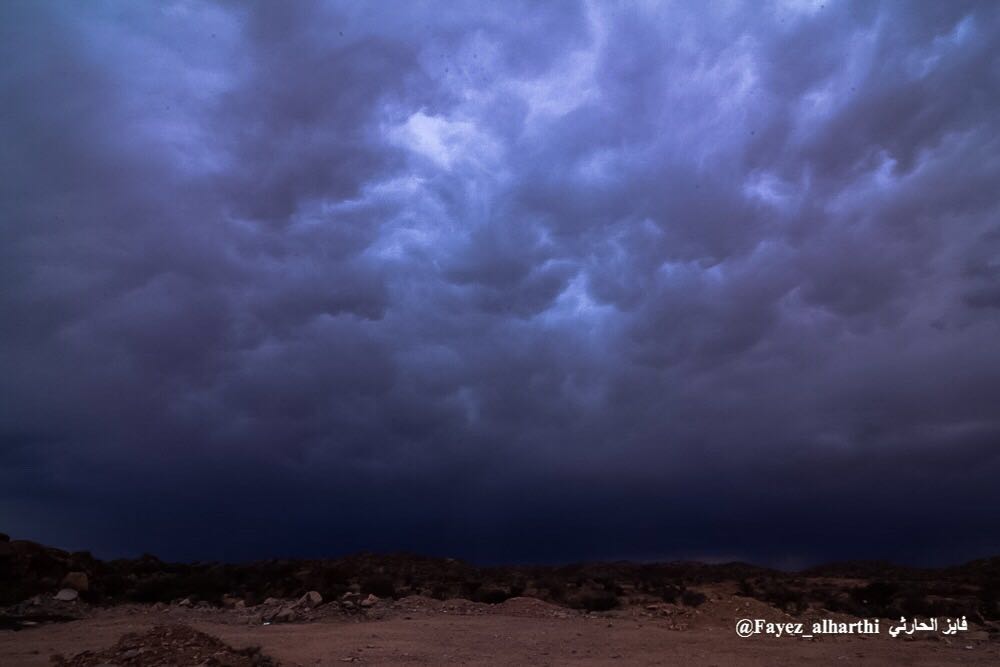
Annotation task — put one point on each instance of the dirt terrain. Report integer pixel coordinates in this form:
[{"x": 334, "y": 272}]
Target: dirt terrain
[
  {"x": 71, "y": 609},
  {"x": 423, "y": 631}
]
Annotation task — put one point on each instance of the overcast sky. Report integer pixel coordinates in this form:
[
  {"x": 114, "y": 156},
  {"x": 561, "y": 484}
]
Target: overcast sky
[{"x": 502, "y": 281}]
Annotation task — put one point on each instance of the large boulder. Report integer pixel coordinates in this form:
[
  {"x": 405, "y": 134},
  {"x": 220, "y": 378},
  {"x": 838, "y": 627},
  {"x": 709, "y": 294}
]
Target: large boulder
[
  {"x": 310, "y": 600},
  {"x": 78, "y": 581},
  {"x": 286, "y": 614},
  {"x": 233, "y": 602}
]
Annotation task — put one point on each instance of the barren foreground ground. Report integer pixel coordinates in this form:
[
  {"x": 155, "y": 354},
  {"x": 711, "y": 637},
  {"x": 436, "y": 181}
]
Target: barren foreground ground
[
  {"x": 73, "y": 610},
  {"x": 520, "y": 631}
]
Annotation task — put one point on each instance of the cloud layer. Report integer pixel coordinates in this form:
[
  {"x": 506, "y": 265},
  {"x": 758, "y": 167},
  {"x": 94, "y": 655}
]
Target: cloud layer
[{"x": 506, "y": 282}]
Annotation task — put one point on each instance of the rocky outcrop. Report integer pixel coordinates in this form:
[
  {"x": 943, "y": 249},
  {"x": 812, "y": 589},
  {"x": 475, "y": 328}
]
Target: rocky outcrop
[
  {"x": 78, "y": 581},
  {"x": 310, "y": 600}
]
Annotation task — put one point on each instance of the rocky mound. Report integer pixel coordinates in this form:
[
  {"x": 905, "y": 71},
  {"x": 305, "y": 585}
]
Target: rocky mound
[
  {"x": 168, "y": 646},
  {"x": 530, "y": 607}
]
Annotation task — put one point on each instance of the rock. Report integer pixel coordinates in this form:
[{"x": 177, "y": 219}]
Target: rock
[
  {"x": 977, "y": 635},
  {"x": 350, "y": 596},
  {"x": 285, "y": 615},
  {"x": 78, "y": 581},
  {"x": 311, "y": 599},
  {"x": 186, "y": 602},
  {"x": 66, "y": 595},
  {"x": 370, "y": 600}
]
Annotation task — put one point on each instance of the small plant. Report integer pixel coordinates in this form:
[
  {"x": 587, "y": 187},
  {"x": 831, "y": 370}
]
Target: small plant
[
  {"x": 378, "y": 586},
  {"x": 691, "y": 598},
  {"x": 597, "y": 601},
  {"x": 670, "y": 593},
  {"x": 491, "y": 595}
]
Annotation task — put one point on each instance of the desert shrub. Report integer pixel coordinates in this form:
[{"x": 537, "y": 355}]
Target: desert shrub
[
  {"x": 876, "y": 594},
  {"x": 786, "y": 598},
  {"x": 162, "y": 588},
  {"x": 470, "y": 588},
  {"x": 596, "y": 601},
  {"x": 112, "y": 586},
  {"x": 846, "y": 605},
  {"x": 670, "y": 593},
  {"x": 555, "y": 588},
  {"x": 782, "y": 596},
  {"x": 199, "y": 585},
  {"x": 146, "y": 564},
  {"x": 989, "y": 600},
  {"x": 379, "y": 586},
  {"x": 692, "y": 598},
  {"x": 915, "y": 603},
  {"x": 491, "y": 595},
  {"x": 879, "y": 598},
  {"x": 608, "y": 584},
  {"x": 567, "y": 571},
  {"x": 331, "y": 583}
]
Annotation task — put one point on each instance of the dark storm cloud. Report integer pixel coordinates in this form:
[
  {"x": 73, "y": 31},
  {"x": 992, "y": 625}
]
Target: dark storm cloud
[{"x": 512, "y": 282}]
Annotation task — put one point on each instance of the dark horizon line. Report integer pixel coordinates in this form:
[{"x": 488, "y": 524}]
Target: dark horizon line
[{"x": 823, "y": 565}]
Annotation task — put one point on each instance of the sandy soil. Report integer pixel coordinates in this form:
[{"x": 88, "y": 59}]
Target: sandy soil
[{"x": 515, "y": 633}]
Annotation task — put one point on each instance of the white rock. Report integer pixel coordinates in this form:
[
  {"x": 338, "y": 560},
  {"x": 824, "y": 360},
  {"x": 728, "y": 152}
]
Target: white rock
[{"x": 66, "y": 595}]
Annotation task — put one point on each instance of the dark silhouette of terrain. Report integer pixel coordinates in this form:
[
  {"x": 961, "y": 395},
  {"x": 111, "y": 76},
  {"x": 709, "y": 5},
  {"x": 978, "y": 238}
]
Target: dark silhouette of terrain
[{"x": 862, "y": 589}]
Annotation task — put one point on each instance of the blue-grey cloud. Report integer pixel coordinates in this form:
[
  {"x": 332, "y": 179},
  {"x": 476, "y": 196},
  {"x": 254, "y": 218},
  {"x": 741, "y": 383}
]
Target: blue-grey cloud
[{"x": 509, "y": 282}]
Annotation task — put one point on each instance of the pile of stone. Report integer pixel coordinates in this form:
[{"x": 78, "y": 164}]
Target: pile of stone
[
  {"x": 306, "y": 608},
  {"x": 168, "y": 646},
  {"x": 64, "y": 605},
  {"x": 352, "y": 601},
  {"x": 282, "y": 611}
]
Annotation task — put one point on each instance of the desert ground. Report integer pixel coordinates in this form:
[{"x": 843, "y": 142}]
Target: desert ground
[
  {"x": 520, "y": 631},
  {"x": 71, "y": 609}
]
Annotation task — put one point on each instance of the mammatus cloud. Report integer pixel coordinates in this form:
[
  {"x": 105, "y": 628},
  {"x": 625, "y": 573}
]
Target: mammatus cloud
[{"x": 514, "y": 282}]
